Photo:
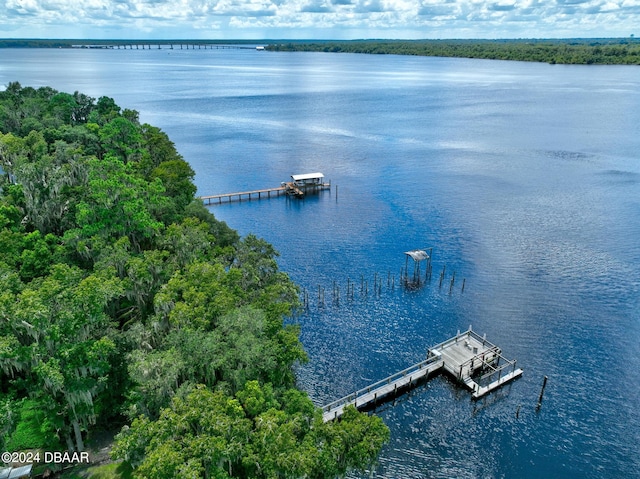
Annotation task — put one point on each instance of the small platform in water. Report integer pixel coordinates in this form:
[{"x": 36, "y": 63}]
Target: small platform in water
[{"x": 468, "y": 357}]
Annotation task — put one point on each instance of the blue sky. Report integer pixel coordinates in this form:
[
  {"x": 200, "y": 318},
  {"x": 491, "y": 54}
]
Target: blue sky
[{"x": 320, "y": 19}]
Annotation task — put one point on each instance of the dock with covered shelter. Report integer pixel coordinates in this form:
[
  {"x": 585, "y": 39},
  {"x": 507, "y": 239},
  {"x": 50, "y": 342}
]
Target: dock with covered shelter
[
  {"x": 469, "y": 358},
  {"x": 298, "y": 187}
]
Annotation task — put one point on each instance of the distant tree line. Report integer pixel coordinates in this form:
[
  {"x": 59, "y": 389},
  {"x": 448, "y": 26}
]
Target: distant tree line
[
  {"x": 28, "y": 43},
  {"x": 625, "y": 51},
  {"x": 125, "y": 302}
]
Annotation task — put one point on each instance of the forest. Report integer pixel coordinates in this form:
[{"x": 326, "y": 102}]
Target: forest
[
  {"x": 605, "y": 51},
  {"x": 126, "y": 307}
]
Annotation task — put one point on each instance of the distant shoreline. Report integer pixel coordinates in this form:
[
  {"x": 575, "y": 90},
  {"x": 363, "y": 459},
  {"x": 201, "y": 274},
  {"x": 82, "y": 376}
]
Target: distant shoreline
[
  {"x": 578, "y": 51},
  {"x": 582, "y": 51}
]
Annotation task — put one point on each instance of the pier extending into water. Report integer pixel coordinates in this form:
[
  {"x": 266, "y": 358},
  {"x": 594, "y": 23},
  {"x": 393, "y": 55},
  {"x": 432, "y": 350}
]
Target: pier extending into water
[
  {"x": 298, "y": 187},
  {"x": 468, "y": 357},
  {"x": 229, "y": 197}
]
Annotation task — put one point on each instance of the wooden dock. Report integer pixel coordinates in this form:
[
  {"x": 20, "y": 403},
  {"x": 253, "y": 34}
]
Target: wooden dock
[
  {"x": 289, "y": 189},
  {"x": 467, "y": 357},
  {"x": 213, "y": 199}
]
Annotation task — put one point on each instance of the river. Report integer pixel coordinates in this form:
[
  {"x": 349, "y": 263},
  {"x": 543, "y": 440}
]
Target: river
[{"x": 524, "y": 178}]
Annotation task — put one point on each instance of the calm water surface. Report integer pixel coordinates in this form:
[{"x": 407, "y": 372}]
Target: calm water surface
[{"x": 525, "y": 180}]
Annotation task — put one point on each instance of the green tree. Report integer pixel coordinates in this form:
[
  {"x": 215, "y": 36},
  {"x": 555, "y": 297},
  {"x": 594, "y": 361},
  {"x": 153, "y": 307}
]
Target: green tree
[
  {"x": 118, "y": 203},
  {"x": 204, "y": 434},
  {"x": 63, "y": 106},
  {"x": 12, "y": 150},
  {"x": 121, "y": 138},
  {"x": 158, "y": 148},
  {"x": 177, "y": 179},
  {"x": 106, "y": 110},
  {"x": 50, "y": 182},
  {"x": 157, "y": 376},
  {"x": 254, "y": 435},
  {"x": 56, "y": 339},
  {"x": 188, "y": 241}
]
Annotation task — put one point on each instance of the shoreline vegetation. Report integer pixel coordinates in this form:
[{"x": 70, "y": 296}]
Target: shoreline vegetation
[
  {"x": 127, "y": 308},
  {"x": 590, "y": 51},
  {"x": 580, "y": 51}
]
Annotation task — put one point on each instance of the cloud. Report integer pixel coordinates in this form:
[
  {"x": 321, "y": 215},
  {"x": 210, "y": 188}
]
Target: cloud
[
  {"x": 502, "y": 7},
  {"x": 572, "y": 2},
  {"x": 436, "y": 10},
  {"x": 370, "y": 6},
  {"x": 316, "y": 7},
  {"x": 320, "y": 18}
]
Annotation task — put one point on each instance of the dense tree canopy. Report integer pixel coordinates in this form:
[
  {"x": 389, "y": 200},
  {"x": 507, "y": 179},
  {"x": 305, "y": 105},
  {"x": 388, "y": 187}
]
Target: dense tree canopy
[
  {"x": 604, "y": 51},
  {"x": 123, "y": 301}
]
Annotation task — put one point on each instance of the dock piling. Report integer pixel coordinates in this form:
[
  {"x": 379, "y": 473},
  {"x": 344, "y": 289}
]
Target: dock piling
[{"x": 544, "y": 385}]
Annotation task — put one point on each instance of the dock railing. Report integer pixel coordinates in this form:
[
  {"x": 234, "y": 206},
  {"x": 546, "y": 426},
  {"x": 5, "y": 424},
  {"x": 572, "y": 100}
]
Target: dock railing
[
  {"x": 468, "y": 333},
  {"x": 353, "y": 397},
  {"x": 490, "y": 376}
]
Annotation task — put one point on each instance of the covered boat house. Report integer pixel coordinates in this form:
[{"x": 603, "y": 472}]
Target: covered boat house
[
  {"x": 300, "y": 184},
  {"x": 308, "y": 179}
]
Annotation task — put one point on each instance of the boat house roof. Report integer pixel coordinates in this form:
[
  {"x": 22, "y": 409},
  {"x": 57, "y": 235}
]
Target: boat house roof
[
  {"x": 307, "y": 176},
  {"x": 417, "y": 254}
]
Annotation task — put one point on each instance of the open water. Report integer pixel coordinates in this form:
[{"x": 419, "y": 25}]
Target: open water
[{"x": 523, "y": 178}]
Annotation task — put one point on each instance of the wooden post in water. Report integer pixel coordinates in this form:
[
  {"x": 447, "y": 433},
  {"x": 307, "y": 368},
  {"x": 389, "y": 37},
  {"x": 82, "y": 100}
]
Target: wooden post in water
[
  {"x": 544, "y": 385},
  {"x": 406, "y": 268}
]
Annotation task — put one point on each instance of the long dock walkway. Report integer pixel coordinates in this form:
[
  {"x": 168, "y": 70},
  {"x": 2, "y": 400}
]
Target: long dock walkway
[
  {"x": 289, "y": 188},
  {"x": 468, "y": 357},
  {"x": 246, "y": 194}
]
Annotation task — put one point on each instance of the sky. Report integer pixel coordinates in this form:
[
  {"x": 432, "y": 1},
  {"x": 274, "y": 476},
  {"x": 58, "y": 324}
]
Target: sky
[{"x": 318, "y": 19}]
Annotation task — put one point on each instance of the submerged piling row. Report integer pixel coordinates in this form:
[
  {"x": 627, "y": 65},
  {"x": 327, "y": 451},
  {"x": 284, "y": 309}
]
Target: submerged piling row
[{"x": 373, "y": 289}]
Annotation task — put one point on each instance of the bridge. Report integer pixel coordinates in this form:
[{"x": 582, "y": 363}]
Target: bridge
[
  {"x": 160, "y": 44},
  {"x": 469, "y": 358}
]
